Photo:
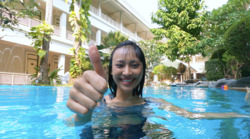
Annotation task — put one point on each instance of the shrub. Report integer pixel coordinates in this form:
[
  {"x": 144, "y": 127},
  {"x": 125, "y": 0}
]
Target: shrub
[{"x": 214, "y": 70}]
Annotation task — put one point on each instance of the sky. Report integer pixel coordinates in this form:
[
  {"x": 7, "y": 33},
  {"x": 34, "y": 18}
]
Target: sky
[{"x": 146, "y": 7}]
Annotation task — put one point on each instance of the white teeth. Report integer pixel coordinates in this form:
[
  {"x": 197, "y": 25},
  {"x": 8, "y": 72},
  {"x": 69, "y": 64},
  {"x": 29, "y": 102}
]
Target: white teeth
[{"x": 127, "y": 80}]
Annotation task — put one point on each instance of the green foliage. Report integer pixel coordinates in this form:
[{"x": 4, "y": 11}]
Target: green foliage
[
  {"x": 233, "y": 66},
  {"x": 109, "y": 42},
  {"x": 77, "y": 68},
  {"x": 34, "y": 75},
  {"x": 228, "y": 33},
  {"x": 180, "y": 22},
  {"x": 181, "y": 68},
  {"x": 52, "y": 76},
  {"x": 171, "y": 73},
  {"x": 38, "y": 34},
  {"x": 79, "y": 20},
  {"x": 152, "y": 55},
  {"x": 11, "y": 10},
  {"x": 245, "y": 71},
  {"x": 220, "y": 20},
  {"x": 165, "y": 72},
  {"x": 160, "y": 70},
  {"x": 217, "y": 54},
  {"x": 214, "y": 70},
  {"x": 237, "y": 40}
]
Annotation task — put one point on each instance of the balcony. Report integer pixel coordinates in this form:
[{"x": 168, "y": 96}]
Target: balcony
[
  {"x": 34, "y": 22},
  {"x": 105, "y": 17},
  {"x": 28, "y": 22}
]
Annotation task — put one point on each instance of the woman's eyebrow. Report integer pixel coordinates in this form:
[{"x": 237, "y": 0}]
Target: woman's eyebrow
[
  {"x": 134, "y": 61},
  {"x": 121, "y": 61}
]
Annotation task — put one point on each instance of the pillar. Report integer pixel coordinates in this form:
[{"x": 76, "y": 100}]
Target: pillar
[
  {"x": 194, "y": 75},
  {"x": 61, "y": 64},
  {"x": 194, "y": 61},
  {"x": 63, "y": 25},
  {"x": 121, "y": 22},
  {"x": 98, "y": 37},
  {"x": 136, "y": 32},
  {"x": 49, "y": 12},
  {"x": 99, "y": 8}
]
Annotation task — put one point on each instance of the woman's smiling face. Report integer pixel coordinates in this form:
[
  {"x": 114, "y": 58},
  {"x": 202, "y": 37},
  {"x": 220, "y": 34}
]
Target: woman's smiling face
[{"x": 126, "y": 69}]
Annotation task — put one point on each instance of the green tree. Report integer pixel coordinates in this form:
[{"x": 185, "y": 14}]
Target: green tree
[
  {"x": 77, "y": 69},
  {"x": 160, "y": 70},
  {"x": 164, "y": 72},
  {"x": 11, "y": 10},
  {"x": 181, "y": 69},
  {"x": 81, "y": 25},
  {"x": 152, "y": 55},
  {"x": 220, "y": 20},
  {"x": 180, "y": 23},
  {"x": 233, "y": 66},
  {"x": 109, "y": 42},
  {"x": 41, "y": 36},
  {"x": 237, "y": 40},
  {"x": 214, "y": 70},
  {"x": 221, "y": 27},
  {"x": 171, "y": 73}
]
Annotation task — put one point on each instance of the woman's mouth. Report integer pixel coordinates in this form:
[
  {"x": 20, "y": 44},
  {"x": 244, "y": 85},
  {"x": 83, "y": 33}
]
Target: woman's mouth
[{"x": 127, "y": 81}]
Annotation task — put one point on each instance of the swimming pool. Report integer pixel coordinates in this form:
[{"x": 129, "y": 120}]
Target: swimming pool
[{"x": 39, "y": 112}]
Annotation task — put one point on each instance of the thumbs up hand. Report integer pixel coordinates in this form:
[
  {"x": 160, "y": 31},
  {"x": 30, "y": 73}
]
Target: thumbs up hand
[{"x": 89, "y": 89}]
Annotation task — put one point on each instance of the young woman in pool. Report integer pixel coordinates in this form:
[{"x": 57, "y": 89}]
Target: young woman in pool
[{"x": 125, "y": 79}]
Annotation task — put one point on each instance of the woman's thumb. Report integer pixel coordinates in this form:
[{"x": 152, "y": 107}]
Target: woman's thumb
[{"x": 96, "y": 61}]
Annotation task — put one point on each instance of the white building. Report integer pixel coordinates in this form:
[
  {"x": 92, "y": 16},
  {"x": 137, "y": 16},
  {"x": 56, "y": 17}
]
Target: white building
[
  {"x": 18, "y": 58},
  {"x": 197, "y": 65}
]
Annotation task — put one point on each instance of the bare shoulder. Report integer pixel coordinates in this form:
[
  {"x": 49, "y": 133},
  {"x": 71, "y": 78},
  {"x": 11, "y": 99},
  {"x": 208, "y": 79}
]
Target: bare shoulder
[{"x": 107, "y": 99}]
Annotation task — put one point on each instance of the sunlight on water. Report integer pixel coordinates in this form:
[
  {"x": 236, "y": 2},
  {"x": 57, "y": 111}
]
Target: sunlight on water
[{"x": 39, "y": 112}]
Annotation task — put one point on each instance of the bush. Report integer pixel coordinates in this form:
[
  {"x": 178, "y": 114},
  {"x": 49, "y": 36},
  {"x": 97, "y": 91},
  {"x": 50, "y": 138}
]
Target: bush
[
  {"x": 245, "y": 71},
  {"x": 214, "y": 70},
  {"x": 237, "y": 40},
  {"x": 165, "y": 72}
]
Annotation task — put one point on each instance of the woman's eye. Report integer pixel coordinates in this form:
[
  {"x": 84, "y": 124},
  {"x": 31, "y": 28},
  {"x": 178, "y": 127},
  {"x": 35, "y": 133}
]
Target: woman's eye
[
  {"x": 119, "y": 65},
  {"x": 135, "y": 65}
]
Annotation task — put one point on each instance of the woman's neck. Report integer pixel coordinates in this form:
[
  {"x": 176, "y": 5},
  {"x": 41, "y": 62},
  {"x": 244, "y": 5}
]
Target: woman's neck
[
  {"x": 124, "y": 96},
  {"x": 126, "y": 99}
]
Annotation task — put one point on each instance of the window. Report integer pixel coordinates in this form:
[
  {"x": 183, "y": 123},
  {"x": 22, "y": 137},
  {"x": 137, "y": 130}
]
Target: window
[{"x": 57, "y": 21}]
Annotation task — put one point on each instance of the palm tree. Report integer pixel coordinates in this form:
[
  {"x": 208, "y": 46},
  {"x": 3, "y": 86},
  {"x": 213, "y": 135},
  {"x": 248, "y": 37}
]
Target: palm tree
[
  {"x": 109, "y": 42},
  {"x": 181, "y": 69}
]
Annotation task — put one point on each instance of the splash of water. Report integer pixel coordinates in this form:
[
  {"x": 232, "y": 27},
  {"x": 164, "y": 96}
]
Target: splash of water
[
  {"x": 8, "y": 56},
  {"x": 18, "y": 58}
]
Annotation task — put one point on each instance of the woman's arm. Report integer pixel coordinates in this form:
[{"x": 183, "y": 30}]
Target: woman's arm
[
  {"x": 191, "y": 115},
  {"x": 88, "y": 90},
  {"x": 247, "y": 97},
  {"x": 78, "y": 120}
]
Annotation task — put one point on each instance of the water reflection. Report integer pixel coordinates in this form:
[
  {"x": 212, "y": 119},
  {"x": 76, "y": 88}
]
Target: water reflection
[
  {"x": 60, "y": 94},
  {"x": 198, "y": 94}
]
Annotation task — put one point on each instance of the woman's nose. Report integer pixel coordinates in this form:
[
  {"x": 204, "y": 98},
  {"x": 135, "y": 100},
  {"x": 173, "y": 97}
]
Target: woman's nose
[{"x": 127, "y": 70}]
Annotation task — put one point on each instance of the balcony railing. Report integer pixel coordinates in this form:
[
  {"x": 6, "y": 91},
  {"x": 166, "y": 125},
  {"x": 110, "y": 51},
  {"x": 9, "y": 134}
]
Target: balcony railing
[
  {"x": 34, "y": 22},
  {"x": 94, "y": 10},
  {"x": 15, "y": 78},
  {"x": 57, "y": 31},
  {"x": 69, "y": 35},
  {"x": 112, "y": 21}
]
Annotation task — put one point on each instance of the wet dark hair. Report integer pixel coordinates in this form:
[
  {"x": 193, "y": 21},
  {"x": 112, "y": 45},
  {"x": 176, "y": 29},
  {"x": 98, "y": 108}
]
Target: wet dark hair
[{"x": 139, "y": 54}]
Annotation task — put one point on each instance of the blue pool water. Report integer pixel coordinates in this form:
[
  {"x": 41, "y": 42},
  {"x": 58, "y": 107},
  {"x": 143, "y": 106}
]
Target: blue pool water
[{"x": 39, "y": 112}]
